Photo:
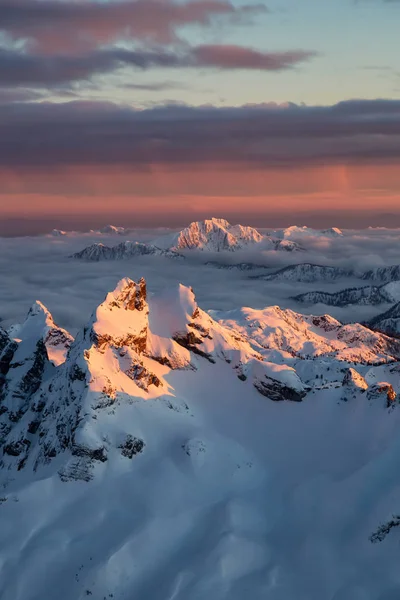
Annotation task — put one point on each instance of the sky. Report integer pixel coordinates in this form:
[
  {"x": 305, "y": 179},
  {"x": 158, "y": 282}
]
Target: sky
[{"x": 159, "y": 112}]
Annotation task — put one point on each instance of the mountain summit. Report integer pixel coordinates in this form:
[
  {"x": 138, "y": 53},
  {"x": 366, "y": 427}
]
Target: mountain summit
[
  {"x": 213, "y": 235},
  {"x": 218, "y": 235},
  {"x": 170, "y": 449}
]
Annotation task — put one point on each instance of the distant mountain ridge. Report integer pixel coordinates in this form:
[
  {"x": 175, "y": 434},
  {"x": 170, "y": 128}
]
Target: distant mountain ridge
[
  {"x": 307, "y": 273},
  {"x": 295, "y": 232},
  {"x": 367, "y": 296},
  {"x": 99, "y": 252}
]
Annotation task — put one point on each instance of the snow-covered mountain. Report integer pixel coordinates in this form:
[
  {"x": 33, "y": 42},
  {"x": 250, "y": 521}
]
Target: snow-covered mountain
[
  {"x": 180, "y": 454},
  {"x": 214, "y": 235},
  {"x": 58, "y": 233},
  {"x": 295, "y": 232},
  {"x": 388, "y": 321},
  {"x": 244, "y": 266},
  {"x": 39, "y": 325},
  {"x": 369, "y": 295},
  {"x": 383, "y": 274},
  {"x": 217, "y": 235},
  {"x": 307, "y": 273},
  {"x": 307, "y": 337},
  {"x": 97, "y": 252},
  {"x": 114, "y": 230}
]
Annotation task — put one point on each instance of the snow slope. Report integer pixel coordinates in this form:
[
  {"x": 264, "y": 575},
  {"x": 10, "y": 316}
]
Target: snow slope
[{"x": 153, "y": 464}]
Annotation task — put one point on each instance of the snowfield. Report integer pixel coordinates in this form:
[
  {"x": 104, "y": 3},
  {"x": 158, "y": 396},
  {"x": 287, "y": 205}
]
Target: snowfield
[{"x": 171, "y": 453}]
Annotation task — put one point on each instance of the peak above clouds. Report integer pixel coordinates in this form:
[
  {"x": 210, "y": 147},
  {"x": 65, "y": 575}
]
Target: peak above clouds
[
  {"x": 213, "y": 235},
  {"x": 97, "y": 252},
  {"x": 295, "y": 232}
]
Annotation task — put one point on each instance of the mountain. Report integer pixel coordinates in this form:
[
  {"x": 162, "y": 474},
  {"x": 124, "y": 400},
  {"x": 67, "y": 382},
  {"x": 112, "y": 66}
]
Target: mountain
[
  {"x": 307, "y": 337},
  {"x": 113, "y": 230},
  {"x": 169, "y": 457},
  {"x": 388, "y": 321},
  {"x": 58, "y": 233},
  {"x": 98, "y": 252},
  {"x": 366, "y": 296},
  {"x": 307, "y": 273},
  {"x": 212, "y": 235},
  {"x": 244, "y": 266},
  {"x": 39, "y": 325},
  {"x": 217, "y": 235},
  {"x": 295, "y": 232},
  {"x": 383, "y": 274}
]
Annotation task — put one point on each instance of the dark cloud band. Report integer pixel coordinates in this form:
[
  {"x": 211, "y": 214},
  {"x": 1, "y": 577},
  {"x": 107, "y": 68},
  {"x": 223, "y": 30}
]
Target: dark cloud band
[{"x": 47, "y": 135}]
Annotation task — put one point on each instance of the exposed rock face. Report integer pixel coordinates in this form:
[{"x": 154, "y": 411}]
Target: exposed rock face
[
  {"x": 382, "y": 389},
  {"x": 276, "y": 391},
  {"x": 354, "y": 381},
  {"x": 131, "y": 446}
]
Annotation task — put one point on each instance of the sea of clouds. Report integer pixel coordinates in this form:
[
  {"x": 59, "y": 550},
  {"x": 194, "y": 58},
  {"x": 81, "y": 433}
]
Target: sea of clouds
[{"x": 40, "y": 268}]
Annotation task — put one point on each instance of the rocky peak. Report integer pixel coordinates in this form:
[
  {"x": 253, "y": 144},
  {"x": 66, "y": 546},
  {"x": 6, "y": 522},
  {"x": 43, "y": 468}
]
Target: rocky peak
[
  {"x": 128, "y": 295},
  {"x": 353, "y": 380},
  {"x": 39, "y": 325}
]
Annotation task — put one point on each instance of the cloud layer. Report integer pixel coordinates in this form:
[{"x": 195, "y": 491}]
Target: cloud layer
[
  {"x": 54, "y": 26},
  {"x": 53, "y": 135}
]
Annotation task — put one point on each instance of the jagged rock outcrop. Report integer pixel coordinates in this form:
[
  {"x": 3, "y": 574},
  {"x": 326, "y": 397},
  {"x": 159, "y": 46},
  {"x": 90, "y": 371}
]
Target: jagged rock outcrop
[
  {"x": 353, "y": 382},
  {"x": 382, "y": 389}
]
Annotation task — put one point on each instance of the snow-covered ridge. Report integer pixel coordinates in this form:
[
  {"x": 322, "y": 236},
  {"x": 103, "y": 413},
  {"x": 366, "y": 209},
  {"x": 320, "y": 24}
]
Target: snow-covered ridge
[
  {"x": 308, "y": 337},
  {"x": 388, "y": 321},
  {"x": 98, "y": 252},
  {"x": 295, "y": 232},
  {"x": 383, "y": 274},
  {"x": 106, "y": 230},
  {"x": 369, "y": 295},
  {"x": 218, "y": 235},
  {"x": 307, "y": 273}
]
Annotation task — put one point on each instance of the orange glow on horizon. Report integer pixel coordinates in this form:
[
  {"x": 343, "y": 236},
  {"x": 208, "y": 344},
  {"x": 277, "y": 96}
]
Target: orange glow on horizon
[{"x": 208, "y": 189}]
